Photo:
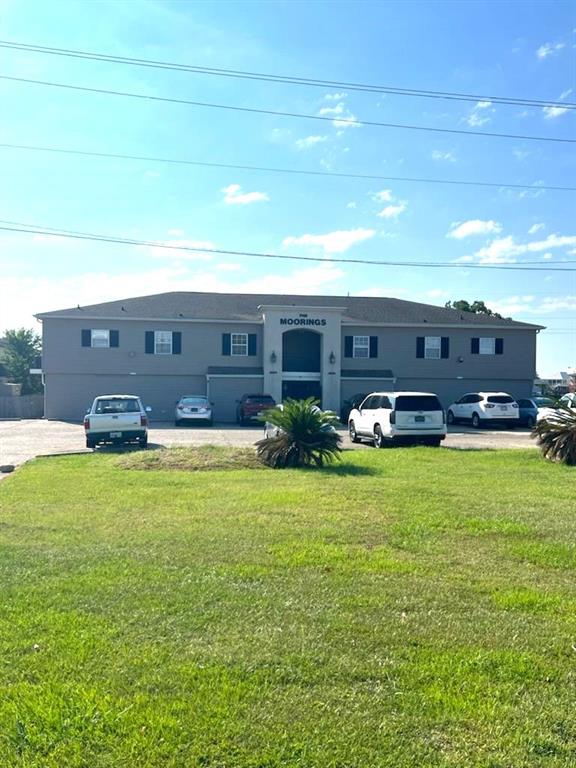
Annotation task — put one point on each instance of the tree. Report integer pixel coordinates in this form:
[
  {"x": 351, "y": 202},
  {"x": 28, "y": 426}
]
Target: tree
[
  {"x": 306, "y": 436},
  {"x": 21, "y": 349},
  {"x": 477, "y": 307},
  {"x": 556, "y": 435}
]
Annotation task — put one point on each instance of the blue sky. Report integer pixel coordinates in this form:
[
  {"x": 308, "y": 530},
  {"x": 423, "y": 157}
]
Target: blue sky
[{"x": 519, "y": 49}]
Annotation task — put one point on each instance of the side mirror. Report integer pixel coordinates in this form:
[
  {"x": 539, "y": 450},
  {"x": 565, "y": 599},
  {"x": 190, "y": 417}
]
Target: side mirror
[
  {"x": 87, "y": 410},
  {"x": 148, "y": 409}
]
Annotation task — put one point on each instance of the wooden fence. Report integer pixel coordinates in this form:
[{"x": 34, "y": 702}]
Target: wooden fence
[{"x": 24, "y": 407}]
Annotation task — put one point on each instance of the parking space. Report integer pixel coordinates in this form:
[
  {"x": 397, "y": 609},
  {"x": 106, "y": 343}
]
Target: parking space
[{"x": 22, "y": 440}]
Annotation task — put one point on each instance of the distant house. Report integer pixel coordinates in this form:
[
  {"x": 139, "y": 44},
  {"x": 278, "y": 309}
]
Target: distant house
[
  {"x": 559, "y": 383},
  {"x": 224, "y": 345}
]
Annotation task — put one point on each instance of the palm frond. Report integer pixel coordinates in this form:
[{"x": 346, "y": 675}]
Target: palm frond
[{"x": 556, "y": 435}]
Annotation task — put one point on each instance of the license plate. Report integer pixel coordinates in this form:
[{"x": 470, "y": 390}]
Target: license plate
[
  {"x": 419, "y": 418},
  {"x": 503, "y": 407},
  {"x": 115, "y": 434},
  {"x": 193, "y": 410}
]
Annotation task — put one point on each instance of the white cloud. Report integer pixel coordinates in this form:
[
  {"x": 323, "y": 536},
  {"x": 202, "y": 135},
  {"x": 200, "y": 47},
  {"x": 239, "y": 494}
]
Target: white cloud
[
  {"x": 448, "y": 157},
  {"x": 551, "y": 112},
  {"x": 478, "y": 116},
  {"x": 343, "y": 118},
  {"x": 536, "y": 228},
  {"x": 527, "y": 305},
  {"x": 547, "y": 49},
  {"x": 376, "y": 292},
  {"x": 335, "y": 96},
  {"x": 565, "y": 94},
  {"x": 332, "y": 242},
  {"x": 384, "y": 196},
  {"x": 176, "y": 232},
  {"x": 310, "y": 141},
  {"x": 351, "y": 204},
  {"x": 233, "y": 195},
  {"x": 505, "y": 250},
  {"x": 474, "y": 227},
  {"x": 336, "y": 111},
  {"x": 392, "y": 211},
  {"x": 437, "y": 293},
  {"x": 521, "y": 154}
]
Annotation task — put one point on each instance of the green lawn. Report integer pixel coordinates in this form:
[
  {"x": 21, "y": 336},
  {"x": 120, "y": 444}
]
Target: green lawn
[{"x": 407, "y": 608}]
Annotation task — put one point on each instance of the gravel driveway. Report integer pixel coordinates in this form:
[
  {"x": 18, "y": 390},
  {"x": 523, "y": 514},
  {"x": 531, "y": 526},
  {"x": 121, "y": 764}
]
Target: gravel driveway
[{"x": 22, "y": 440}]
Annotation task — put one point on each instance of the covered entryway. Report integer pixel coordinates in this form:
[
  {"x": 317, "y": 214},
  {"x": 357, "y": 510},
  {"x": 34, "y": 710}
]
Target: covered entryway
[{"x": 301, "y": 364}]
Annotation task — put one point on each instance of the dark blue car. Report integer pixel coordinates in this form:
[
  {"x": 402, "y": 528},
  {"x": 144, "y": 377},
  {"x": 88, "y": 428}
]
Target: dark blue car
[{"x": 528, "y": 409}]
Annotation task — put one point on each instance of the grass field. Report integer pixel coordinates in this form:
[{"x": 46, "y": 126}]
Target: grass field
[{"x": 407, "y": 608}]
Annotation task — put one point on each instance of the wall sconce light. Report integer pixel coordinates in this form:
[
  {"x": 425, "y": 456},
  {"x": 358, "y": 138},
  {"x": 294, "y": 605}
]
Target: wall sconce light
[
  {"x": 460, "y": 359},
  {"x": 331, "y": 358},
  {"x": 273, "y": 357}
]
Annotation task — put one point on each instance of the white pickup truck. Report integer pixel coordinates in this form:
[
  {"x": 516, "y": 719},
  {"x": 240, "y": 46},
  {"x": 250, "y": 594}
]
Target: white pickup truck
[{"x": 116, "y": 419}]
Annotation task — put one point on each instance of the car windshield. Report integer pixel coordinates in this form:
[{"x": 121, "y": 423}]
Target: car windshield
[
  {"x": 417, "y": 403},
  {"x": 500, "y": 399},
  {"x": 117, "y": 406},
  {"x": 193, "y": 401},
  {"x": 257, "y": 399}
]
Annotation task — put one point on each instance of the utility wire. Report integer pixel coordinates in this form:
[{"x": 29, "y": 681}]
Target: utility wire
[
  {"x": 205, "y": 164},
  {"x": 54, "y": 232},
  {"x": 277, "y": 113},
  {"x": 292, "y": 80}
]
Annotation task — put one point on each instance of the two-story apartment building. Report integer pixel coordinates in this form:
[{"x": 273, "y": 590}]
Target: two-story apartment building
[{"x": 224, "y": 345}]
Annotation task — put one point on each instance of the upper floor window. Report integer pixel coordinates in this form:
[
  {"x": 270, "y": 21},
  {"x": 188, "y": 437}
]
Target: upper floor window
[
  {"x": 487, "y": 345},
  {"x": 162, "y": 342},
  {"x": 101, "y": 338},
  {"x": 361, "y": 346},
  {"x": 239, "y": 344},
  {"x": 432, "y": 347}
]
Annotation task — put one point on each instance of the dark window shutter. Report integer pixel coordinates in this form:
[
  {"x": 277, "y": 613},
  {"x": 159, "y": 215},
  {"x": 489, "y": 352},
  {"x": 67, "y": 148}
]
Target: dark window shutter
[
  {"x": 475, "y": 346},
  {"x": 114, "y": 338},
  {"x": 226, "y": 345},
  {"x": 348, "y": 346},
  {"x": 252, "y": 344},
  {"x": 499, "y": 346},
  {"x": 149, "y": 345},
  {"x": 420, "y": 346},
  {"x": 373, "y": 346},
  {"x": 445, "y": 347},
  {"x": 176, "y": 343},
  {"x": 86, "y": 337}
]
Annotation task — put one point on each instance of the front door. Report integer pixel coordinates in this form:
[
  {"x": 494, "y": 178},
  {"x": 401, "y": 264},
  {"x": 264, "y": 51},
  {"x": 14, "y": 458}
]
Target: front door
[{"x": 300, "y": 390}]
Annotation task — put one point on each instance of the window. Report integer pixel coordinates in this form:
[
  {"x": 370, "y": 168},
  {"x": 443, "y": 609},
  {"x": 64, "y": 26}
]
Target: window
[
  {"x": 117, "y": 405},
  {"x": 162, "y": 342},
  {"x": 487, "y": 346},
  {"x": 417, "y": 403},
  {"x": 361, "y": 346},
  {"x": 432, "y": 346},
  {"x": 100, "y": 338},
  {"x": 239, "y": 344}
]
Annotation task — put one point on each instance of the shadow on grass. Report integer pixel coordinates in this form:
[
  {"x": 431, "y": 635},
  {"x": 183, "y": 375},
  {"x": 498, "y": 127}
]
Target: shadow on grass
[
  {"x": 344, "y": 470},
  {"x": 127, "y": 448}
]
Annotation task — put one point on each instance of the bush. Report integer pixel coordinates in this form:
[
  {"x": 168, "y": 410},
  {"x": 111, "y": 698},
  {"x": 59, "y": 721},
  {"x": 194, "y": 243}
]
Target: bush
[
  {"x": 306, "y": 438},
  {"x": 556, "y": 436}
]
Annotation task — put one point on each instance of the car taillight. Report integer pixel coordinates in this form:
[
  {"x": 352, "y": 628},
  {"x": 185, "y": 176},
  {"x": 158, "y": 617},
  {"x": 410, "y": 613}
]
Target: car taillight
[
  {"x": 86, "y": 422},
  {"x": 143, "y": 420},
  {"x": 392, "y": 417},
  {"x": 490, "y": 405},
  {"x": 514, "y": 405}
]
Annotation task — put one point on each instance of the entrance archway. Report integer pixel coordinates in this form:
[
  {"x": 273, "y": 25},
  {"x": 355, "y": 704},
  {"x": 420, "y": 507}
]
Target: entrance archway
[{"x": 301, "y": 364}]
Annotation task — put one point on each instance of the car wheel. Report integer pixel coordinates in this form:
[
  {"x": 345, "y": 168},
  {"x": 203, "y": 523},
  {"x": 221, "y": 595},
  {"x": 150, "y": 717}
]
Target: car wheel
[
  {"x": 90, "y": 444},
  {"x": 177, "y": 423},
  {"x": 210, "y": 422},
  {"x": 475, "y": 421},
  {"x": 450, "y": 418},
  {"x": 378, "y": 437},
  {"x": 530, "y": 422},
  {"x": 143, "y": 442},
  {"x": 352, "y": 432},
  {"x": 435, "y": 442}
]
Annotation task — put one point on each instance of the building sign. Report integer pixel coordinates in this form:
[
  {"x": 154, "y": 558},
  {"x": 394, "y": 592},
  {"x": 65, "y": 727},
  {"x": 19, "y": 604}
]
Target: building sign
[{"x": 302, "y": 321}]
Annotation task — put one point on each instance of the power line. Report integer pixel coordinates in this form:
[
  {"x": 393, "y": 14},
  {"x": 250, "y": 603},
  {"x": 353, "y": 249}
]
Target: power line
[
  {"x": 277, "y": 113},
  {"x": 54, "y": 232},
  {"x": 265, "y": 169},
  {"x": 291, "y": 80}
]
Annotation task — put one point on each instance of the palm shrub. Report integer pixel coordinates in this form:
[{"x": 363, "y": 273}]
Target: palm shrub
[
  {"x": 556, "y": 435},
  {"x": 306, "y": 436}
]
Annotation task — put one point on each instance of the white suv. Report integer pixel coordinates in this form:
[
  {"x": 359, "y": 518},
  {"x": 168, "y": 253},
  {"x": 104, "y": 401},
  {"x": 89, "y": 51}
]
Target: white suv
[
  {"x": 398, "y": 417},
  {"x": 484, "y": 407}
]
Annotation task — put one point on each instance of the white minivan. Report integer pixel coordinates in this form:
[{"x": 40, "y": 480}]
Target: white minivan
[{"x": 398, "y": 417}]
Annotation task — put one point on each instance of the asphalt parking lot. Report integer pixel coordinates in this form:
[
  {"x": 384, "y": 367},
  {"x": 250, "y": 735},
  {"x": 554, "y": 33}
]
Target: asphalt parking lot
[{"x": 23, "y": 440}]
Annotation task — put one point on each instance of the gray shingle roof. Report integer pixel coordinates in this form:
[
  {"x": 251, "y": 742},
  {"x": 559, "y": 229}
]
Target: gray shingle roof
[{"x": 244, "y": 307}]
